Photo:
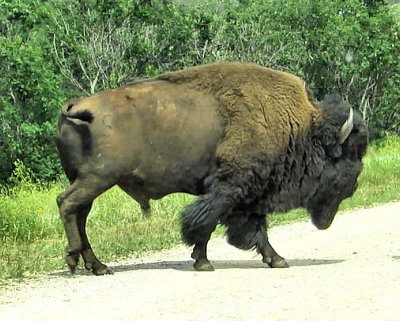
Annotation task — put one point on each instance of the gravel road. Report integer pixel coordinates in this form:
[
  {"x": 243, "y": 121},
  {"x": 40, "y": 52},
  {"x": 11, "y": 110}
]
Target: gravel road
[{"x": 349, "y": 272}]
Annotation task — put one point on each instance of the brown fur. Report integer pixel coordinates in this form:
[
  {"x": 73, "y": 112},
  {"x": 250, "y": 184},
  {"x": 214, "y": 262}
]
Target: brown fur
[
  {"x": 244, "y": 137},
  {"x": 263, "y": 108}
]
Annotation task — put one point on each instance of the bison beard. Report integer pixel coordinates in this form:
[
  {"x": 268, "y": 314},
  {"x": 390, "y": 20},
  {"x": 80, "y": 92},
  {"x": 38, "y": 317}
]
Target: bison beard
[{"x": 247, "y": 140}]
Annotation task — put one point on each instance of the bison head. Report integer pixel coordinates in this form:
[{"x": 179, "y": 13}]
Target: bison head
[{"x": 343, "y": 136}]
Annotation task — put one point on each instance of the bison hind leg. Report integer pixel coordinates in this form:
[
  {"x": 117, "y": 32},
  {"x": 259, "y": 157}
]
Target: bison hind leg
[{"x": 74, "y": 206}]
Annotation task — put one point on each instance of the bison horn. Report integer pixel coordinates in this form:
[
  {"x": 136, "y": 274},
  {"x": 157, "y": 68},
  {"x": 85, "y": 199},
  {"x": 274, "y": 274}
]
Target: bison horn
[{"x": 346, "y": 128}]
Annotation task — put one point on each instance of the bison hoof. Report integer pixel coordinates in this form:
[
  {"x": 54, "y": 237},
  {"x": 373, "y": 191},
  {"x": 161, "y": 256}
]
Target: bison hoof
[
  {"x": 72, "y": 261},
  {"x": 276, "y": 263},
  {"x": 203, "y": 265},
  {"x": 102, "y": 270},
  {"x": 98, "y": 268},
  {"x": 279, "y": 264}
]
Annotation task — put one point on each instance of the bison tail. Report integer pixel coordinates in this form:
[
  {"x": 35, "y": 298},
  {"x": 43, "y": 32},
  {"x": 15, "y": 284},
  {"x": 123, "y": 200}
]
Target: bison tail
[
  {"x": 83, "y": 115},
  {"x": 200, "y": 218},
  {"x": 70, "y": 112}
]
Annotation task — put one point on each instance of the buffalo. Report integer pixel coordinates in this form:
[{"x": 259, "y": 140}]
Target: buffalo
[{"x": 248, "y": 140}]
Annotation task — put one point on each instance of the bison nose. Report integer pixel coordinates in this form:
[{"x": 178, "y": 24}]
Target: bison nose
[
  {"x": 322, "y": 222},
  {"x": 321, "y": 225}
]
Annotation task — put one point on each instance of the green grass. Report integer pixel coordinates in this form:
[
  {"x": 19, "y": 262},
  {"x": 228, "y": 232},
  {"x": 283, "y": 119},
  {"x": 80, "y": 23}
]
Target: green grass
[{"x": 32, "y": 238}]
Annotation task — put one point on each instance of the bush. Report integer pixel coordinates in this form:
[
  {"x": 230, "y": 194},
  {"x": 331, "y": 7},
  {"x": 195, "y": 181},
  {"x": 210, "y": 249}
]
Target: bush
[{"x": 29, "y": 103}]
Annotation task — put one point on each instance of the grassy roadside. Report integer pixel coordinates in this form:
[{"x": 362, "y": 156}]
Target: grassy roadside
[{"x": 32, "y": 238}]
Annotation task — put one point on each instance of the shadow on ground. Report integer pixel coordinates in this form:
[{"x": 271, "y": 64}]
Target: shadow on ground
[{"x": 218, "y": 265}]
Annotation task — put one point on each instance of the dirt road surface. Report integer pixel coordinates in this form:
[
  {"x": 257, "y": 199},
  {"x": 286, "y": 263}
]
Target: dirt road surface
[{"x": 348, "y": 272}]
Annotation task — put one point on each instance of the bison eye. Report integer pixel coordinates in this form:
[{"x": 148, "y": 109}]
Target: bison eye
[{"x": 335, "y": 151}]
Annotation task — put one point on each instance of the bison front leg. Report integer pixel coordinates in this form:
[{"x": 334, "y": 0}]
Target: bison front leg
[
  {"x": 199, "y": 254},
  {"x": 273, "y": 259},
  {"x": 227, "y": 189},
  {"x": 250, "y": 233},
  {"x": 199, "y": 220}
]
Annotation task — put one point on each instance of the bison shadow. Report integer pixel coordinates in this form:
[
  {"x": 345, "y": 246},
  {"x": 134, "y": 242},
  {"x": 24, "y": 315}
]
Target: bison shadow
[
  {"x": 218, "y": 264},
  {"x": 187, "y": 265}
]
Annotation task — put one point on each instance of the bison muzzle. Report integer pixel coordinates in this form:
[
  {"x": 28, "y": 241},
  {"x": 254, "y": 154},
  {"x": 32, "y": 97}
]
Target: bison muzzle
[{"x": 247, "y": 140}]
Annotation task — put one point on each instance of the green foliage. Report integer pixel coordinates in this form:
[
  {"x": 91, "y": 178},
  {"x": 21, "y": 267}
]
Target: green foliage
[
  {"x": 54, "y": 50},
  {"x": 30, "y": 91},
  {"x": 29, "y": 103}
]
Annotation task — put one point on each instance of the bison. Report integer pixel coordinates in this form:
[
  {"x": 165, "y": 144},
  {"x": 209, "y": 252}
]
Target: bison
[{"x": 248, "y": 140}]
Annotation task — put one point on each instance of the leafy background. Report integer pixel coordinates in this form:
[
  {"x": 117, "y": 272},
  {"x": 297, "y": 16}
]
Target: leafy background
[{"x": 53, "y": 50}]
